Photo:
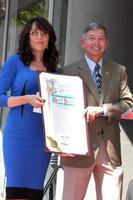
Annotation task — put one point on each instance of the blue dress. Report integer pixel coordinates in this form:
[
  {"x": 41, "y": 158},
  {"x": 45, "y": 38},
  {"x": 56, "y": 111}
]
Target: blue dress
[{"x": 26, "y": 161}]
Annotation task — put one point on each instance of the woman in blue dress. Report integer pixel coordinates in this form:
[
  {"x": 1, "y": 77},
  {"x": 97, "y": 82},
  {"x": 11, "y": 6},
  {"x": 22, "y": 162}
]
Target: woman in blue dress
[{"x": 25, "y": 159}]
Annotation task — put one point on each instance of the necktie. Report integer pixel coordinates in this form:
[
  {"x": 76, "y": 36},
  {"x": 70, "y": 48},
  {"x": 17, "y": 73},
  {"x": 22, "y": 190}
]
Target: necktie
[{"x": 97, "y": 77}]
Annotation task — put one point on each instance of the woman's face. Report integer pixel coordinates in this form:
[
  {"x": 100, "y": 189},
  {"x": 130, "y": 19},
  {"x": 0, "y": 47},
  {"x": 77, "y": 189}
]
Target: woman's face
[{"x": 38, "y": 39}]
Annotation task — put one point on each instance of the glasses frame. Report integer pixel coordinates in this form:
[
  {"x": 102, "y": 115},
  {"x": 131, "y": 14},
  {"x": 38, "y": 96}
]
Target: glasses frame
[{"x": 38, "y": 33}]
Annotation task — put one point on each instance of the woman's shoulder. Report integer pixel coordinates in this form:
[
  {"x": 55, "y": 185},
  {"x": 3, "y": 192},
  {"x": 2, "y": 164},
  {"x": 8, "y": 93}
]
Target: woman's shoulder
[
  {"x": 13, "y": 58},
  {"x": 12, "y": 63}
]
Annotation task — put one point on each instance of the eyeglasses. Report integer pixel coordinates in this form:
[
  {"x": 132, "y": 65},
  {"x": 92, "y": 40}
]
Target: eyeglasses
[{"x": 37, "y": 33}]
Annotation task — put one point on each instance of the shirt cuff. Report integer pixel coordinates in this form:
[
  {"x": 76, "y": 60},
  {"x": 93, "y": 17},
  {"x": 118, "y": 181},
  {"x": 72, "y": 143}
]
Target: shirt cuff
[{"x": 105, "y": 110}]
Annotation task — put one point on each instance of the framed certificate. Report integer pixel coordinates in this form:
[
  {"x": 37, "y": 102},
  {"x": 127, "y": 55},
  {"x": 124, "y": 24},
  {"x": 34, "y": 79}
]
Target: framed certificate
[{"x": 64, "y": 123}]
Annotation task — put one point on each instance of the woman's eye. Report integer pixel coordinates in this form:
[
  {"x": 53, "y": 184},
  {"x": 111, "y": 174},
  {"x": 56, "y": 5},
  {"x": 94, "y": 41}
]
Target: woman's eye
[{"x": 33, "y": 33}]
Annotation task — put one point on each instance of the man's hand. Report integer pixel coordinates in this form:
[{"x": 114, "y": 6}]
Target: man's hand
[{"x": 92, "y": 112}]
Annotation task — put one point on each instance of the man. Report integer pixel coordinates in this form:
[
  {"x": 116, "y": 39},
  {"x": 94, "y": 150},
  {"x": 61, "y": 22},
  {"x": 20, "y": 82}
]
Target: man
[{"x": 108, "y": 97}]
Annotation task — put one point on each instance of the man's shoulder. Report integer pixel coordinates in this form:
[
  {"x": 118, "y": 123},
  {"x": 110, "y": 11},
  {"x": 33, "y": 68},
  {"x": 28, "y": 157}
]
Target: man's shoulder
[
  {"x": 73, "y": 67},
  {"x": 113, "y": 64},
  {"x": 74, "y": 64}
]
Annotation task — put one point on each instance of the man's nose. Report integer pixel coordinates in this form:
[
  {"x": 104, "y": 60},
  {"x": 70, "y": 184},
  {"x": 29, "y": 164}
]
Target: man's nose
[{"x": 96, "y": 41}]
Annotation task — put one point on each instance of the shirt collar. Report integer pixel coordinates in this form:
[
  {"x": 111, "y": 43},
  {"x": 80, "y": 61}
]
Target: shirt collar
[{"x": 92, "y": 64}]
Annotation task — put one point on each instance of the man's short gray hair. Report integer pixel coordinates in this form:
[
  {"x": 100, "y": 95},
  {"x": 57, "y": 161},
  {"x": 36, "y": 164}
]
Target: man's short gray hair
[{"x": 93, "y": 26}]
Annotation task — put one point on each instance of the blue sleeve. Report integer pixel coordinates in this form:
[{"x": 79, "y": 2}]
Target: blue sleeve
[{"x": 7, "y": 76}]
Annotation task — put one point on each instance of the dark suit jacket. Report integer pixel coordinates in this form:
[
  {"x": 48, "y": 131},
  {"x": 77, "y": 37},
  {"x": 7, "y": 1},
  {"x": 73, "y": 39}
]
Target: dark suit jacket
[{"x": 116, "y": 96}]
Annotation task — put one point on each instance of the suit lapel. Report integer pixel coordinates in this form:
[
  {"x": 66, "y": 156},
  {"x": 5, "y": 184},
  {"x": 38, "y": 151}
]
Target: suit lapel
[
  {"x": 86, "y": 75},
  {"x": 106, "y": 74}
]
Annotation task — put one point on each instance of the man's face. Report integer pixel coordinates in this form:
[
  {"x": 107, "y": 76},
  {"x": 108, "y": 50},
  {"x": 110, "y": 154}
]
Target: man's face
[{"x": 94, "y": 44}]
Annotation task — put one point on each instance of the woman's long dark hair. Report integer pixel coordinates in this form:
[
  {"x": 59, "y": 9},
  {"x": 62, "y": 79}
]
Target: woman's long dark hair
[{"x": 50, "y": 57}]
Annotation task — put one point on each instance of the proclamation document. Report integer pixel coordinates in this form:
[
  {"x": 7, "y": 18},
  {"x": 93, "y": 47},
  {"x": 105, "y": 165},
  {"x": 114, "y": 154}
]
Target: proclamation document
[{"x": 64, "y": 123}]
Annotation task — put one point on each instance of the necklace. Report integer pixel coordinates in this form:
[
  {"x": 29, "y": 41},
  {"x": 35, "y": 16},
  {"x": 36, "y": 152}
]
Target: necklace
[{"x": 38, "y": 66}]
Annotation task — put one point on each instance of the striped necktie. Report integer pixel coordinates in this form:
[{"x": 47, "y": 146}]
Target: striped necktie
[{"x": 97, "y": 77}]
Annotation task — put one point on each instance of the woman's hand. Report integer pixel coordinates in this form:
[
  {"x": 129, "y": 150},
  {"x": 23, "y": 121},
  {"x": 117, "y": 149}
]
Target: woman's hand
[
  {"x": 67, "y": 155},
  {"x": 35, "y": 100}
]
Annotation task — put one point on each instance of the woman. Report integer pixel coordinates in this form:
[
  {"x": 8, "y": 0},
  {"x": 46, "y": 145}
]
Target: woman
[{"x": 26, "y": 161}]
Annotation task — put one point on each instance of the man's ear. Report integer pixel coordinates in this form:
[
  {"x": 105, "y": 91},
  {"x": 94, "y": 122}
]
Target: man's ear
[
  {"x": 82, "y": 43},
  {"x": 107, "y": 43}
]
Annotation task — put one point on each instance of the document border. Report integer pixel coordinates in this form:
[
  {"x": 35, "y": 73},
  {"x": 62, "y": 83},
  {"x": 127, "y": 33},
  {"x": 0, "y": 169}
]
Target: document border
[{"x": 53, "y": 142}]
